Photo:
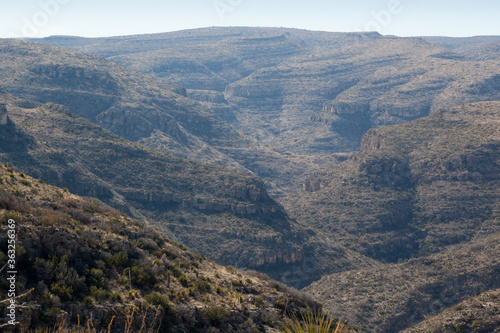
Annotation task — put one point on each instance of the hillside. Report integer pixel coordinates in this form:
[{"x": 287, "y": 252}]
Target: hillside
[
  {"x": 208, "y": 58},
  {"x": 384, "y": 154},
  {"x": 487, "y": 52},
  {"x": 145, "y": 109},
  {"x": 201, "y": 204},
  {"x": 413, "y": 188},
  {"x": 92, "y": 266},
  {"x": 477, "y": 314},
  {"x": 462, "y": 44},
  {"x": 426, "y": 191},
  {"x": 223, "y": 213},
  {"x": 302, "y": 91},
  {"x": 395, "y": 297}
]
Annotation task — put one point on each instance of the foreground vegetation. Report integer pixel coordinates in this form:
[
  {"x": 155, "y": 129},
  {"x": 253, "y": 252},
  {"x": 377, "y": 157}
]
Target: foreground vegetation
[{"x": 81, "y": 262}]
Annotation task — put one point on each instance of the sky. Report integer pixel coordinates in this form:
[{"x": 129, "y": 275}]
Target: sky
[{"x": 99, "y": 18}]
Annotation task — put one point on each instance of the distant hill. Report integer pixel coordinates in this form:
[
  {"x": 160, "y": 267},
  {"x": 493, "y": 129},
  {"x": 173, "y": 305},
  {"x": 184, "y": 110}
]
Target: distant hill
[
  {"x": 476, "y": 314},
  {"x": 462, "y": 44},
  {"x": 144, "y": 109},
  {"x": 302, "y": 91},
  {"x": 487, "y": 52}
]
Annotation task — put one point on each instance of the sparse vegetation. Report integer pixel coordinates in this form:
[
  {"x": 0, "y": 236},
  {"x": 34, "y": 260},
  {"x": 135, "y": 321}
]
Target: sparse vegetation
[{"x": 86, "y": 267}]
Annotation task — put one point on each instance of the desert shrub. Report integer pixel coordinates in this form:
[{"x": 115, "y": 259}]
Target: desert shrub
[
  {"x": 96, "y": 277},
  {"x": 216, "y": 314},
  {"x": 64, "y": 292},
  {"x": 83, "y": 217},
  {"x": 169, "y": 254},
  {"x": 313, "y": 323},
  {"x": 203, "y": 286},
  {"x": 147, "y": 244},
  {"x": 51, "y": 313},
  {"x": 116, "y": 226},
  {"x": 11, "y": 215},
  {"x": 50, "y": 217},
  {"x": 25, "y": 182},
  {"x": 6, "y": 200},
  {"x": 88, "y": 301},
  {"x": 99, "y": 293},
  {"x": 142, "y": 277},
  {"x": 184, "y": 281},
  {"x": 69, "y": 202},
  {"x": 237, "y": 283},
  {"x": 157, "y": 299},
  {"x": 259, "y": 302},
  {"x": 119, "y": 259}
]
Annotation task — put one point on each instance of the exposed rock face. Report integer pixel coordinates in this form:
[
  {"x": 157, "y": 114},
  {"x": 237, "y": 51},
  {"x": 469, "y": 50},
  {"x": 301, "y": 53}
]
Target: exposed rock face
[
  {"x": 390, "y": 171},
  {"x": 3, "y": 114},
  {"x": 247, "y": 200},
  {"x": 75, "y": 76}
]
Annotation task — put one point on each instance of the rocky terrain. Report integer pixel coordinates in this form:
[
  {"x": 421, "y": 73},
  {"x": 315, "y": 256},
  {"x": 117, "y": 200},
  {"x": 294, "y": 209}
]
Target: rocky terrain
[
  {"x": 477, "y": 314},
  {"x": 395, "y": 297},
  {"x": 82, "y": 263},
  {"x": 426, "y": 191},
  {"x": 48, "y": 142},
  {"x": 307, "y": 92},
  {"x": 145, "y": 109},
  {"x": 224, "y": 213},
  {"x": 365, "y": 168},
  {"x": 413, "y": 188}
]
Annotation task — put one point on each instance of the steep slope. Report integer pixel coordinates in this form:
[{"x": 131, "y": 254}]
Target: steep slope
[
  {"x": 93, "y": 266},
  {"x": 414, "y": 188},
  {"x": 140, "y": 108},
  {"x": 394, "y": 297},
  {"x": 477, "y": 314},
  {"x": 131, "y": 105},
  {"x": 224, "y": 213}
]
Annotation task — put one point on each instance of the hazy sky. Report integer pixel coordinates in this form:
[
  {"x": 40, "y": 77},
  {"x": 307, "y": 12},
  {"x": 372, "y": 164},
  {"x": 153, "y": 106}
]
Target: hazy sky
[{"x": 29, "y": 18}]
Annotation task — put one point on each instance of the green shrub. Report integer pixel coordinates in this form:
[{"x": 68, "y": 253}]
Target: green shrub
[
  {"x": 51, "y": 313},
  {"x": 88, "y": 301},
  {"x": 64, "y": 292},
  {"x": 25, "y": 182},
  {"x": 142, "y": 277},
  {"x": 203, "y": 286},
  {"x": 259, "y": 302},
  {"x": 96, "y": 277},
  {"x": 184, "y": 281},
  {"x": 118, "y": 259},
  {"x": 157, "y": 299},
  {"x": 99, "y": 293},
  {"x": 216, "y": 314}
]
